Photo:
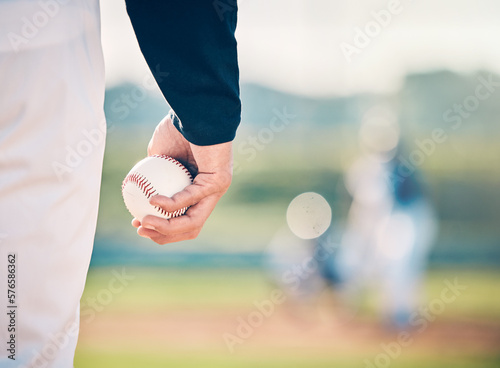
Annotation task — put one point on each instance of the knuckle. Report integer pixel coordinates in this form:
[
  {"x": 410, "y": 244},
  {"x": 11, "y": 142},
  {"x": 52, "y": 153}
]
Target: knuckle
[
  {"x": 225, "y": 180},
  {"x": 160, "y": 239},
  {"x": 196, "y": 225},
  {"x": 220, "y": 183},
  {"x": 193, "y": 235}
]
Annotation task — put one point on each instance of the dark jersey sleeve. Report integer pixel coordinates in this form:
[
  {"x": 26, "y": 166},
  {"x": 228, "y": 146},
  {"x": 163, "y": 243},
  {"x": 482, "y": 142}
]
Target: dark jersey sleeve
[{"x": 190, "y": 48}]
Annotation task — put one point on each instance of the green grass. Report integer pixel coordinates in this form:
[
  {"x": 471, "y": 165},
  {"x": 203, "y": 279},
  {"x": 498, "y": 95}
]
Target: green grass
[
  {"x": 157, "y": 289},
  {"x": 111, "y": 359},
  {"x": 479, "y": 301},
  {"x": 202, "y": 293}
]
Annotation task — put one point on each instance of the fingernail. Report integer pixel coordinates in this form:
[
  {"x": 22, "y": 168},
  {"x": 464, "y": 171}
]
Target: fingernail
[{"x": 147, "y": 226}]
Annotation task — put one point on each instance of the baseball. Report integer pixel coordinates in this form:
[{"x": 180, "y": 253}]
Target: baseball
[
  {"x": 158, "y": 174},
  {"x": 309, "y": 215}
]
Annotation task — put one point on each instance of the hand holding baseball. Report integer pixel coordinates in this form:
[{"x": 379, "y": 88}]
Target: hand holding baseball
[{"x": 212, "y": 168}]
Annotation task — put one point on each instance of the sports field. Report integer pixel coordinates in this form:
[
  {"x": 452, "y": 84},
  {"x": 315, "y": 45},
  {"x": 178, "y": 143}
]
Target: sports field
[
  {"x": 193, "y": 317},
  {"x": 233, "y": 318}
]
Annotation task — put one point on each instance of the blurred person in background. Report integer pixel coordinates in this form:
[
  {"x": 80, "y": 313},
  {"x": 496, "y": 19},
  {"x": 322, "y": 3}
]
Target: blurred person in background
[
  {"x": 304, "y": 270},
  {"x": 292, "y": 266},
  {"x": 391, "y": 223}
]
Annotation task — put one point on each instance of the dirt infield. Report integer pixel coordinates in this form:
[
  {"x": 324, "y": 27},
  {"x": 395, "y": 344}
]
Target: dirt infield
[{"x": 193, "y": 329}]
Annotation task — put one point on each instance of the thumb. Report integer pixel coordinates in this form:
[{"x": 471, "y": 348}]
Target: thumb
[{"x": 202, "y": 187}]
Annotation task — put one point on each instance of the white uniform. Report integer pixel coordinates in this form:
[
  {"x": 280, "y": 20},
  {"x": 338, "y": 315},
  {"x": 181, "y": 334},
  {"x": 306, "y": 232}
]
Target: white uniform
[
  {"x": 52, "y": 134},
  {"x": 385, "y": 245}
]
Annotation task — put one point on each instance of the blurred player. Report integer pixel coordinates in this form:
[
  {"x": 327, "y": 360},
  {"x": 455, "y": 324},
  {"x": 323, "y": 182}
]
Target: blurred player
[{"x": 391, "y": 223}]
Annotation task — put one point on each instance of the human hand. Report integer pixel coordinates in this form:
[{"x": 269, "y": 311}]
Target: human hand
[{"x": 211, "y": 167}]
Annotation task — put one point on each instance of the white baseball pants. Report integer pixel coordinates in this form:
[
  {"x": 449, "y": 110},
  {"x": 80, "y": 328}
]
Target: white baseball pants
[{"x": 52, "y": 135}]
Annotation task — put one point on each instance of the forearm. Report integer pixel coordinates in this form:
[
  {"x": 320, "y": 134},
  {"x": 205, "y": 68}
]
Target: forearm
[{"x": 197, "y": 48}]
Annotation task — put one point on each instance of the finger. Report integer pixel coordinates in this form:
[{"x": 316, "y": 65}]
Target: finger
[
  {"x": 146, "y": 233},
  {"x": 165, "y": 239},
  {"x": 189, "y": 196},
  {"x": 135, "y": 222},
  {"x": 192, "y": 220}
]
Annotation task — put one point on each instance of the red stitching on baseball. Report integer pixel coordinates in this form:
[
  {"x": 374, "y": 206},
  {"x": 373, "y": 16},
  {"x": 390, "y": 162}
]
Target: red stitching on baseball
[
  {"x": 141, "y": 182},
  {"x": 148, "y": 189}
]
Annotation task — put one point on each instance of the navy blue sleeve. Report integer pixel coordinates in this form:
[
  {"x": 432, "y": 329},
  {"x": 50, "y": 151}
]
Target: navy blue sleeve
[{"x": 191, "y": 50}]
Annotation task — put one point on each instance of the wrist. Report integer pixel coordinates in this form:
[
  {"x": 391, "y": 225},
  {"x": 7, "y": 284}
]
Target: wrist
[{"x": 214, "y": 158}]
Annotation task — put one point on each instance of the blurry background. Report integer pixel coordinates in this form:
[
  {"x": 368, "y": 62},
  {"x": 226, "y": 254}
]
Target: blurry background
[{"x": 310, "y": 70}]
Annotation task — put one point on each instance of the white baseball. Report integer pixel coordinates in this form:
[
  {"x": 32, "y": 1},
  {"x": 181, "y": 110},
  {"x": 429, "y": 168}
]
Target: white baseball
[
  {"x": 158, "y": 174},
  {"x": 309, "y": 215}
]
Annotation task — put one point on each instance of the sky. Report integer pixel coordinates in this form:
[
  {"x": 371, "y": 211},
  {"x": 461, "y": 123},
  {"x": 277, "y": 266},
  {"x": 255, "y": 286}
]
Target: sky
[{"x": 335, "y": 48}]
